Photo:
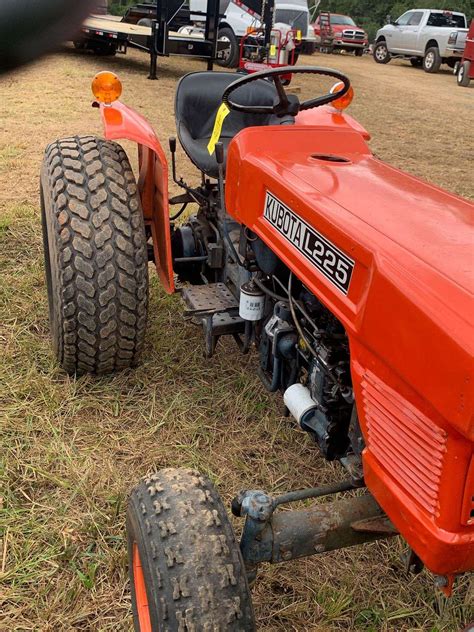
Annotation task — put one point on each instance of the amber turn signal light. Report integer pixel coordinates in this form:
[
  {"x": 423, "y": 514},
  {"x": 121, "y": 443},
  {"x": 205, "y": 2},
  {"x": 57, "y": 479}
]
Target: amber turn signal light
[
  {"x": 343, "y": 102},
  {"x": 106, "y": 87}
]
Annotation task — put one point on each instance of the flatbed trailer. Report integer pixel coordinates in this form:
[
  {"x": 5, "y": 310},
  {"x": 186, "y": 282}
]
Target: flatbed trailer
[{"x": 107, "y": 34}]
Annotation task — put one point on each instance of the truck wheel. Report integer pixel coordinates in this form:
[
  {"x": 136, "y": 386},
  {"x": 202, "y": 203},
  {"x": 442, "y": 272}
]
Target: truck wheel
[
  {"x": 95, "y": 255},
  {"x": 416, "y": 62},
  {"x": 186, "y": 570},
  {"x": 358, "y": 52},
  {"x": 463, "y": 74},
  {"x": 230, "y": 57},
  {"x": 381, "y": 54},
  {"x": 432, "y": 60}
]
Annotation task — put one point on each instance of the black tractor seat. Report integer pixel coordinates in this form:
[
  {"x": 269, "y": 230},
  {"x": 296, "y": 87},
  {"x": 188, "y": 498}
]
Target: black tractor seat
[{"x": 199, "y": 96}]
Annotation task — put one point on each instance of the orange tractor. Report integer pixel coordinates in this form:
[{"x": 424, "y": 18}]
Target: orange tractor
[{"x": 351, "y": 279}]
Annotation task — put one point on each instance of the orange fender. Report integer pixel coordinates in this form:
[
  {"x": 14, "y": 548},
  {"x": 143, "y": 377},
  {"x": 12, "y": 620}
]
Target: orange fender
[
  {"x": 330, "y": 117},
  {"x": 122, "y": 122}
]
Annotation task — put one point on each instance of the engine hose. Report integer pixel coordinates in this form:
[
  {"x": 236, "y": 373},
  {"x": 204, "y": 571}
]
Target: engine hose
[
  {"x": 275, "y": 383},
  {"x": 295, "y": 320},
  {"x": 293, "y": 375},
  {"x": 231, "y": 243},
  {"x": 180, "y": 212},
  {"x": 299, "y": 306},
  {"x": 269, "y": 292}
]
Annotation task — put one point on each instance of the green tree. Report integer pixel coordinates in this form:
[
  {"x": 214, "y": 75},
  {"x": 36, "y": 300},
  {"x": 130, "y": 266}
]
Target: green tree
[{"x": 119, "y": 7}]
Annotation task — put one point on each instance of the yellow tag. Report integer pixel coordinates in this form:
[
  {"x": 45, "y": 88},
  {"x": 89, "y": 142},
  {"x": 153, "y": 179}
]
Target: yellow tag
[
  {"x": 222, "y": 112},
  {"x": 298, "y": 35},
  {"x": 273, "y": 50}
]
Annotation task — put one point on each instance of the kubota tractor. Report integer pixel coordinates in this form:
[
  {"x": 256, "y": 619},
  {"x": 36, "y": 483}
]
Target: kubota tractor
[{"x": 351, "y": 279}]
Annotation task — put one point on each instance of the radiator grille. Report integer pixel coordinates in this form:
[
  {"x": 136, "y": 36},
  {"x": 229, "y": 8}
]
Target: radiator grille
[
  {"x": 404, "y": 440},
  {"x": 351, "y": 34}
]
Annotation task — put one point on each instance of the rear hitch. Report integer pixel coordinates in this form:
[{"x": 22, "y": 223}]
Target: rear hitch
[{"x": 282, "y": 536}]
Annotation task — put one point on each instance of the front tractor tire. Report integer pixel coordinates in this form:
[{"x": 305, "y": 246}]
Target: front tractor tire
[
  {"x": 186, "y": 570},
  {"x": 95, "y": 255}
]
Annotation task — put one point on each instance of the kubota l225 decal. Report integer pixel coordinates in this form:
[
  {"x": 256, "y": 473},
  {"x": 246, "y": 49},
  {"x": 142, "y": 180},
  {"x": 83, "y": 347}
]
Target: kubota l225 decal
[{"x": 329, "y": 260}]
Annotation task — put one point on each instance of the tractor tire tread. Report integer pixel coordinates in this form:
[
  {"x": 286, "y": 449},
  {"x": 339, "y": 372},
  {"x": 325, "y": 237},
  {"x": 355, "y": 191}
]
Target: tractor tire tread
[
  {"x": 199, "y": 576},
  {"x": 99, "y": 255}
]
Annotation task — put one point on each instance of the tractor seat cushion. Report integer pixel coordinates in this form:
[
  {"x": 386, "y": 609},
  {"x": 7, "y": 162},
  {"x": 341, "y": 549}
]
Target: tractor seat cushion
[{"x": 199, "y": 96}]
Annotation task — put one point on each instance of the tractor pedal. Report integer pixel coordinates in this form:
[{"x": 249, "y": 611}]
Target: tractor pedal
[{"x": 208, "y": 299}]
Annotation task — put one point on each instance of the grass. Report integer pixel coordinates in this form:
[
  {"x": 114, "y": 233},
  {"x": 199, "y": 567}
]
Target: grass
[{"x": 71, "y": 449}]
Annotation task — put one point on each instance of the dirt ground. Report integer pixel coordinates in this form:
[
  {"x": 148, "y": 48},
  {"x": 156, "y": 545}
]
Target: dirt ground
[{"x": 71, "y": 449}]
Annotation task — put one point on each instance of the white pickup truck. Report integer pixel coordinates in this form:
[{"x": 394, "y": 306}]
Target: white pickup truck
[{"x": 427, "y": 37}]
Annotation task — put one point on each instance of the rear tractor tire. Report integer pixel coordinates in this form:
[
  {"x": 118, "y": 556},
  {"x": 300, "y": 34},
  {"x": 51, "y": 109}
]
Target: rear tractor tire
[
  {"x": 186, "y": 570},
  {"x": 95, "y": 255},
  {"x": 380, "y": 53}
]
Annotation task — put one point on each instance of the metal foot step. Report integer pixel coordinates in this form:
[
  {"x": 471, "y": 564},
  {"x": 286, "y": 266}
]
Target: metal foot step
[
  {"x": 209, "y": 299},
  {"x": 215, "y": 308}
]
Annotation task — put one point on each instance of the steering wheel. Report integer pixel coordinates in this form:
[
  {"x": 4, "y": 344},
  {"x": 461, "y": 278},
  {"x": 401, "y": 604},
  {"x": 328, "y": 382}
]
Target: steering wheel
[{"x": 287, "y": 104}]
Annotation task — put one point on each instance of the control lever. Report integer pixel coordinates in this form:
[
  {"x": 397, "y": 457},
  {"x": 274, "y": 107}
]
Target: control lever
[
  {"x": 172, "y": 144},
  {"x": 219, "y": 151},
  {"x": 193, "y": 193}
]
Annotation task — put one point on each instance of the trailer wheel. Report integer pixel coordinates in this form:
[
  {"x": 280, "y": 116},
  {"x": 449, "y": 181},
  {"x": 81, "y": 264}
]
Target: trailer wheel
[
  {"x": 381, "y": 54},
  {"x": 144, "y": 40},
  {"x": 186, "y": 570},
  {"x": 231, "y": 54},
  {"x": 432, "y": 60},
  {"x": 95, "y": 255},
  {"x": 463, "y": 74}
]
